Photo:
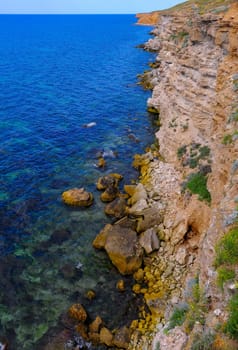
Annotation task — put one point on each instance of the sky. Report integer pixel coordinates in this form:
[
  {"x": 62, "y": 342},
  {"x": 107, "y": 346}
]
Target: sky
[{"x": 84, "y": 6}]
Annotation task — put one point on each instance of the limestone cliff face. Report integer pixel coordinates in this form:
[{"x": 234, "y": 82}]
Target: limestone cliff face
[
  {"x": 196, "y": 94},
  {"x": 148, "y": 18}
]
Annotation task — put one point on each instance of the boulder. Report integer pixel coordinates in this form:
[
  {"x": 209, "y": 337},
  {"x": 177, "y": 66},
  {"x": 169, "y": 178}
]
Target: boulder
[
  {"x": 122, "y": 338},
  {"x": 138, "y": 195},
  {"x": 100, "y": 240},
  {"x": 95, "y": 326},
  {"x": 77, "y": 197},
  {"x": 150, "y": 217},
  {"x": 116, "y": 208},
  {"x": 124, "y": 250},
  {"x": 122, "y": 246},
  {"x": 106, "y": 337},
  {"x": 77, "y": 312},
  {"x": 149, "y": 240},
  {"x": 111, "y": 180},
  {"x": 109, "y": 194}
]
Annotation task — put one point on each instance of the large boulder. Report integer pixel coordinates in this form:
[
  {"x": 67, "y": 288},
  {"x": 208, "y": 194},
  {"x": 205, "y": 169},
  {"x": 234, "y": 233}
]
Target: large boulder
[
  {"x": 77, "y": 197},
  {"x": 116, "y": 208},
  {"x": 122, "y": 246}
]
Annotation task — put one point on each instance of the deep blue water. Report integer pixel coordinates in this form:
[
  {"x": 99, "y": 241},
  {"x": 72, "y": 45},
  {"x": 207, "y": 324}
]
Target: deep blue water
[{"x": 58, "y": 73}]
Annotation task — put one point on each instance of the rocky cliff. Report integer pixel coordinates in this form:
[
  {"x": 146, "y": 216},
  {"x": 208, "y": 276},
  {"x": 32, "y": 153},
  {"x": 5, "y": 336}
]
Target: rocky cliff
[{"x": 195, "y": 179}]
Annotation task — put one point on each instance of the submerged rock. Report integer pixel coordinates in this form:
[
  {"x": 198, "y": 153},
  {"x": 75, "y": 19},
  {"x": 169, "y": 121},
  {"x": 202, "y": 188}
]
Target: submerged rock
[
  {"x": 78, "y": 197},
  {"x": 77, "y": 312}
]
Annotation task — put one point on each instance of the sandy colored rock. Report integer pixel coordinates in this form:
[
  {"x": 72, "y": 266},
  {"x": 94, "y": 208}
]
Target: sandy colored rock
[
  {"x": 77, "y": 312},
  {"x": 116, "y": 208},
  {"x": 106, "y": 337},
  {"x": 123, "y": 249},
  {"x": 78, "y": 197},
  {"x": 122, "y": 338},
  {"x": 94, "y": 327}
]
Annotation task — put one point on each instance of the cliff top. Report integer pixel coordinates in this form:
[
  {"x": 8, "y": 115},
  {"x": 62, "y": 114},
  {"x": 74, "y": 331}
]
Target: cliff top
[{"x": 201, "y": 6}]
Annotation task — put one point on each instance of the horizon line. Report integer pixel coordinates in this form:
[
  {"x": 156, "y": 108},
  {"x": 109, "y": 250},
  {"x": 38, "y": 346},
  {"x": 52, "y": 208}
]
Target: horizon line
[{"x": 70, "y": 13}]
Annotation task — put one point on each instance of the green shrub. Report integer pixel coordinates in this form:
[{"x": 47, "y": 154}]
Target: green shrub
[
  {"x": 227, "y": 249},
  {"x": 232, "y": 324},
  {"x": 224, "y": 274},
  {"x": 197, "y": 184},
  {"x": 227, "y": 139},
  {"x": 204, "y": 152},
  {"x": 181, "y": 151},
  {"x": 197, "y": 307},
  {"x": 178, "y": 317}
]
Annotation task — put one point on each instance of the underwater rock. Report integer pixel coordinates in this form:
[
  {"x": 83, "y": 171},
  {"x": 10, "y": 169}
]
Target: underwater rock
[
  {"x": 122, "y": 338},
  {"x": 121, "y": 285},
  {"x": 101, "y": 162},
  {"x": 77, "y": 312},
  {"x": 90, "y": 295},
  {"x": 59, "y": 236},
  {"x": 116, "y": 208},
  {"x": 106, "y": 337},
  {"x": 94, "y": 327},
  {"x": 77, "y": 197}
]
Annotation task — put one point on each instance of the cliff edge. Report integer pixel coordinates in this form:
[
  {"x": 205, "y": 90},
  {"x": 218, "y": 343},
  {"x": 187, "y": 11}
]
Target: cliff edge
[{"x": 195, "y": 95}]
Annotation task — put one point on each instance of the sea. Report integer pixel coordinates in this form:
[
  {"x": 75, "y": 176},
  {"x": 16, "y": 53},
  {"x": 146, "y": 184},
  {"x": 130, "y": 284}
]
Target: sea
[{"x": 59, "y": 74}]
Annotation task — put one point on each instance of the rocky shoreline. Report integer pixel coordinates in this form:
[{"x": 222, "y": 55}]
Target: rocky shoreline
[
  {"x": 193, "y": 182},
  {"x": 169, "y": 223}
]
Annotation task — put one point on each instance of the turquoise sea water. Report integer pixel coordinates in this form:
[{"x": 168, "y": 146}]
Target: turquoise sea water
[{"x": 58, "y": 73}]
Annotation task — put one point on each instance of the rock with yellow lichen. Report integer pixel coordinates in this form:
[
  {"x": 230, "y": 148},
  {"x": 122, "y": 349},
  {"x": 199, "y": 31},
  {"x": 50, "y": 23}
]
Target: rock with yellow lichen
[
  {"x": 77, "y": 312},
  {"x": 122, "y": 246},
  {"x": 106, "y": 336},
  {"x": 121, "y": 286},
  {"x": 78, "y": 197}
]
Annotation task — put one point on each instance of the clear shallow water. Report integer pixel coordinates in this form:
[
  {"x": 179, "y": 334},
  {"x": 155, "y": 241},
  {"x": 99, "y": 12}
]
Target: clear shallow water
[{"x": 58, "y": 73}]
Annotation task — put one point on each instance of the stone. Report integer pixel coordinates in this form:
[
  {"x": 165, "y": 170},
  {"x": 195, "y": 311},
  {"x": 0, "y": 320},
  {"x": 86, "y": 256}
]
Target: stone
[
  {"x": 116, "y": 208},
  {"x": 150, "y": 217},
  {"x": 181, "y": 255},
  {"x": 121, "y": 285},
  {"x": 100, "y": 240},
  {"x": 149, "y": 240},
  {"x": 101, "y": 162},
  {"x": 94, "y": 327},
  {"x": 122, "y": 338},
  {"x": 77, "y": 312},
  {"x": 78, "y": 197},
  {"x": 138, "y": 207},
  {"x": 122, "y": 246},
  {"x": 109, "y": 194},
  {"x": 130, "y": 189},
  {"x": 139, "y": 194},
  {"x": 106, "y": 337},
  {"x": 90, "y": 295},
  {"x": 110, "y": 180},
  {"x": 124, "y": 250}
]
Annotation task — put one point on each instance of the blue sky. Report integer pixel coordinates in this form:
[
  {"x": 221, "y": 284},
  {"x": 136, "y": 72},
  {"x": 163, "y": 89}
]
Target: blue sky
[{"x": 84, "y": 6}]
